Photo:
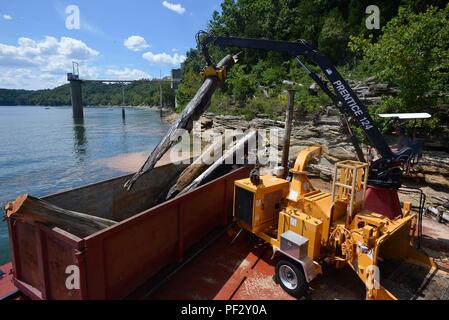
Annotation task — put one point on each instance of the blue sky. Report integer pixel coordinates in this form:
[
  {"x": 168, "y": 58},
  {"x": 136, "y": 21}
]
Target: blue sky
[{"x": 116, "y": 39}]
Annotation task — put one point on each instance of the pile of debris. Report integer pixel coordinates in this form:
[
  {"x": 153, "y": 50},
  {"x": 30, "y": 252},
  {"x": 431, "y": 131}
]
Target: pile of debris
[
  {"x": 371, "y": 92},
  {"x": 326, "y": 131}
]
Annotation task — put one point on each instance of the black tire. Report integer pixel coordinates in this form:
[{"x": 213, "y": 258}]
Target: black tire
[{"x": 291, "y": 278}]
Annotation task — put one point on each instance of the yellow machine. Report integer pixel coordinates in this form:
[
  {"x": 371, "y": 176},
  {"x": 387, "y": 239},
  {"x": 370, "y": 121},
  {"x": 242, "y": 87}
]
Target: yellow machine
[
  {"x": 307, "y": 226},
  {"x": 211, "y": 71}
]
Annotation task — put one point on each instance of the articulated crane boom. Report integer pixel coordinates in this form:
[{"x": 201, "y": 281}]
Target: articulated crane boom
[{"x": 386, "y": 172}]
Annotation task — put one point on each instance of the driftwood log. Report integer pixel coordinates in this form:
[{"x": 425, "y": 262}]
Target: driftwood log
[
  {"x": 198, "y": 166},
  {"x": 31, "y": 209},
  {"x": 224, "y": 159},
  {"x": 193, "y": 111}
]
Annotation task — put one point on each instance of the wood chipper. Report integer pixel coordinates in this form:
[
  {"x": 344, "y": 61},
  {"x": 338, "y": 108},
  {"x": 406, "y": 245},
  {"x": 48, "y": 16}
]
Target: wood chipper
[{"x": 307, "y": 227}]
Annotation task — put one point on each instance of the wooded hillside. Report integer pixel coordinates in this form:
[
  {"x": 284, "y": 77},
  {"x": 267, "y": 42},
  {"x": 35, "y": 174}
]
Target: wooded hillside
[
  {"x": 94, "y": 94},
  {"x": 409, "y": 53}
]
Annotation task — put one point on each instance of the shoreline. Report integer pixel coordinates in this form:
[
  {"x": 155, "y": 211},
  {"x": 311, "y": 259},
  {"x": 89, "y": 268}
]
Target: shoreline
[
  {"x": 431, "y": 173},
  {"x": 156, "y": 108}
]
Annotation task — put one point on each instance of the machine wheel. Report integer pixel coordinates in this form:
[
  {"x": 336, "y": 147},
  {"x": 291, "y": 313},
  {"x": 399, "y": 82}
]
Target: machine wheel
[{"x": 291, "y": 278}]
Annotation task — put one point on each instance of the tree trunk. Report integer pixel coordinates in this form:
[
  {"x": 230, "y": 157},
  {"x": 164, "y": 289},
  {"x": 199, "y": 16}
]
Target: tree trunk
[
  {"x": 197, "y": 167},
  {"x": 224, "y": 159},
  {"x": 193, "y": 111},
  {"x": 31, "y": 209}
]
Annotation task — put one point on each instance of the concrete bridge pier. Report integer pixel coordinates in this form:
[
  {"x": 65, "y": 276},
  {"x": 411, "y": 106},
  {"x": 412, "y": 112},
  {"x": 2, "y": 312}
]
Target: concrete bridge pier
[{"x": 76, "y": 94}]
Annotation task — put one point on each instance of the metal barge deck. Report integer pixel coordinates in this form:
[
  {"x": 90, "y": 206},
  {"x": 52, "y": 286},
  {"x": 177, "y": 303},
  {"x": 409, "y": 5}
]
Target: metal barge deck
[
  {"x": 177, "y": 250},
  {"x": 219, "y": 270}
]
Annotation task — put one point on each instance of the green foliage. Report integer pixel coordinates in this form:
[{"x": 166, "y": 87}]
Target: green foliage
[
  {"x": 413, "y": 55},
  {"x": 191, "y": 79},
  {"x": 269, "y": 74},
  {"x": 328, "y": 24},
  {"x": 241, "y": 84},
  {"x": 256, "y": 106},
  {"x": 334, "y": 37},
  {"x": 187, "y": 89}
]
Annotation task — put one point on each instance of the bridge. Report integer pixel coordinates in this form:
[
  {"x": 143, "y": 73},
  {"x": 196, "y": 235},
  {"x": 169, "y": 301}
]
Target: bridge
[{"x": 76, "y": 87}]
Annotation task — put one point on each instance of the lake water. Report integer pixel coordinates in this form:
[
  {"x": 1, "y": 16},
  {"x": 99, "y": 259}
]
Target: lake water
[{"x": 43, "y": 150}]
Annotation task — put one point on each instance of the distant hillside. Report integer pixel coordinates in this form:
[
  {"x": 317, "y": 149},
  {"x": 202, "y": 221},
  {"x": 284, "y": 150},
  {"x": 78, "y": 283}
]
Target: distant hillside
[{"x": 94, "y": 94}]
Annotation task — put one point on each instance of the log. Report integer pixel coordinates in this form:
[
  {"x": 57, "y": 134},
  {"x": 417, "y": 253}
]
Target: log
[
  {"x": 288, "y": 131},
  {"x": 31, "y": 209},
  {"x": 228, "y": 154},
  {"x": 197, "y": 167},
  {"x": 193, "y": 111}
]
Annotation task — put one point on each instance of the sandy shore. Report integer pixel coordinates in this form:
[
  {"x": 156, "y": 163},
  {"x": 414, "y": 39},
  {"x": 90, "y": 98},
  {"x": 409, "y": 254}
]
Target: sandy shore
[{"x": 131, "y": 162}]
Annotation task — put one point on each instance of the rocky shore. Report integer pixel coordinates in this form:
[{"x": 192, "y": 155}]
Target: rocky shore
[{"x": 431, "y": 173}]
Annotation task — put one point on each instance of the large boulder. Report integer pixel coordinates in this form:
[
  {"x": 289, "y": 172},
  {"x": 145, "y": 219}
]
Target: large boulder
[
  {"x": 336, "y": 154},
  {"x": 438, "y": 180}
]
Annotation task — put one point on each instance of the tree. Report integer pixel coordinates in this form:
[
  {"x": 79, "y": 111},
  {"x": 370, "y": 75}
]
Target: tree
[
  {"x": 413, "y": 55},
  {"x": 241, "y": 84},
  {"x": 94, "y": 94},
  {"x": 333, "y": 37}
]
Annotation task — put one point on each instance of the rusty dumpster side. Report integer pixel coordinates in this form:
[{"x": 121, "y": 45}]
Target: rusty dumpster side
[{"x": 116, "y": 261}]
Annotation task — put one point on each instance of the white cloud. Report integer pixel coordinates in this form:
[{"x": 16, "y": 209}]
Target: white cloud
[
  {"x": 175, "y": 7},
  {"x": 7, "y": 17},
  {"x": 40, "y": 64},
  {"x": 29, "y": 78},
  {"x": 75, "y": 49},
  {"x": 36, "y": 64},
  {"x": 126, "y": 74},
  {"x": 164, "y": 58},
  {"x": 136, "y": 43},
  {"x": 45, "y": 52}
]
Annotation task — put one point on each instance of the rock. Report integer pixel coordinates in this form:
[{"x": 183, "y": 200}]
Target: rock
[
  {"x": 206, "y": 123},
  {"x": 294, "y": 151},
  {"x": 436, "y": 162},
  {"x": 438, "y": 180},
  {"x": 432, "y": 169},
  {"x": 323, "y": 171},
  {"x": 314, "y": 88},
  {"x": 332, "y": 111},
  {"x": 371, "y": 79},
  {"x": 170, "y": 117},
  {"x": 327, "y": 130},
  {"x": 307, "y": 133},
  {"x": 222, "y": 123},
  {"x": 331, "y": 120},
  {"x": 266, "y": 123},
  {"x": 293, "y": 142},
  {"x": 340, "y": 154},
  {"x": 306, "y": 143}
]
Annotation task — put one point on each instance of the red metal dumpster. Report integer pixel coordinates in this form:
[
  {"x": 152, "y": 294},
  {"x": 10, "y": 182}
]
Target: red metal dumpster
[{"x": 116, "y": 261}]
